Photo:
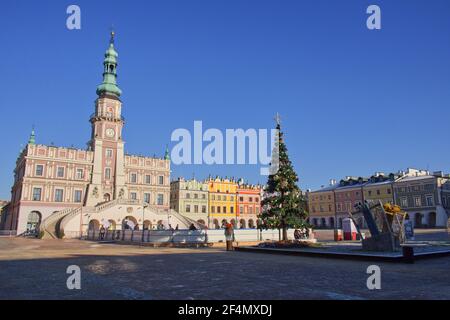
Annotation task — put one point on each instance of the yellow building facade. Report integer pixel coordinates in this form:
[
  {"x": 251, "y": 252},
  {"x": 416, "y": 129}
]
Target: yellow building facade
[
  {"x": 383, "y": 191},
  {"x": 222, "y": 202}
]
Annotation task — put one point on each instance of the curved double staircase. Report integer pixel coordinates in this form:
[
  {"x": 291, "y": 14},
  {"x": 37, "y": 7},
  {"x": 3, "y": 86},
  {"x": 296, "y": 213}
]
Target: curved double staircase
[
  {"x": 50, "y": 226},
  {"x": 54, "y": 225}
]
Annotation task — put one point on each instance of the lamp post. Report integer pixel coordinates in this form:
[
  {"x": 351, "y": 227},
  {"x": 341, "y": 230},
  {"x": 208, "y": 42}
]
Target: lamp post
[{"x": 145, "y": 205}]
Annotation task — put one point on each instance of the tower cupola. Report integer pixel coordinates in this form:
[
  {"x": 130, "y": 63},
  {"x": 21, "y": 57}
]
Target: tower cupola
[{"x": 109, "y": 85}]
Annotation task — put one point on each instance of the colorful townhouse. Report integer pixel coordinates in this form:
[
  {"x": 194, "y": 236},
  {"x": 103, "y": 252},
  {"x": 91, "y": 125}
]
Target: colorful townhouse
[
  {"x": 347, "y": 195},
  {"x": 190, "y": 199},
  {"x": 222, "y": 202},
  {"x": 248, "y": 205},
  {"x": 381, "y": 187},
  {"x": 425, "y": 197},
  {"x": 322, "y": 206}
]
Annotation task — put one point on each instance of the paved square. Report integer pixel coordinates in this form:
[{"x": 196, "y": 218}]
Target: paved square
[{"x": 36, "y": 269}]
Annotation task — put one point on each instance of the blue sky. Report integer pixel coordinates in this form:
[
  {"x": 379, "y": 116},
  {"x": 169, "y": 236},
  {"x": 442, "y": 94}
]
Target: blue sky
[{"x": 353, "y": 101}]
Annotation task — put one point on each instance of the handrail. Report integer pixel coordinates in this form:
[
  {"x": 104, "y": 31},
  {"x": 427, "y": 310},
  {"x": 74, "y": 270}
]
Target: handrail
[
  {"x": 53, "y": 218},
  {"x": 69, "y": 216}
]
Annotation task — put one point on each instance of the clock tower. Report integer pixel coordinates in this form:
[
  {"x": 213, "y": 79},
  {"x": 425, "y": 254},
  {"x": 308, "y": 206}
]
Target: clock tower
[{"x": 108, "y": 176}]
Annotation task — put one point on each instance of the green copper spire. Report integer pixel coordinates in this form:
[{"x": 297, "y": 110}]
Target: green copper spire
[
  {"x": 109, "y": 84},
  {"x": 32, "y": 139},
  {"x": 167, "y": 155}
]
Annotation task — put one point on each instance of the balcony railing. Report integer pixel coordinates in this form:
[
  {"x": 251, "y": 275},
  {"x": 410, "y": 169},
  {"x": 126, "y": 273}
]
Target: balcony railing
[{"x": 106, "y": 116}]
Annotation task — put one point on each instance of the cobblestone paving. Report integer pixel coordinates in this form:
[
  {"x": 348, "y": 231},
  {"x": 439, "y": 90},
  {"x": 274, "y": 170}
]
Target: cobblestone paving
[{"x": 36, "y": 269}]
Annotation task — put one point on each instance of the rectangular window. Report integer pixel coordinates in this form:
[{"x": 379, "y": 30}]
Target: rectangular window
[
  {"x": 147, "y": 197},
  {"x": 39, "y": 170},
  {"x": 257, "y": 210},
  {"x": 250, "y": 199},
  {"x": 188, "y": 195},
  {"x": 213, "y": 209},
  {"x": 188, "y": 208},
  {"x": 241, "y": 199},
  {"x": 430, "y": 201},
  {"x": 378, "y": 192},
  {"x": 231, "y": 209},
  {"x": 78, "y": 196},
  {"x": 241, "y": 209},
  {"x": 195, "y": 196},
  {"x": 59, "y": 193},
  {"x": 109, "y": 153},
  {"x": 196, "y": 209},
  {"x": 389, "y": 191},
  {"x": 203, "y": 209},
  {"x": 417, "y": 202},
  {"x": 133, "y": 178},
  {"x": 224, "y": 209},
  {"x": 107, "y": 173},
  {"x": 204, "y": 196},
  {"x": 218, "y": 209},
  {"x": 37, "y": 193},
  {"x": 133, "y": 196},
  {"x": 404, "y": 202},
  {"x": 161, "y": 180},
  {"x": 148, "y": 179},
  {"x": 60, "y": 173},
  {"x": 79, "y": 174},
  {"x": 250, "y": 210},
  {"x": 160, "y": 199}
]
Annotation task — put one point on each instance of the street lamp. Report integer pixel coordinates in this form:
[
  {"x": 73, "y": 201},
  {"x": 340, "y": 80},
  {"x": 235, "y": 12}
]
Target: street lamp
[{"x": 145, "y": 205}]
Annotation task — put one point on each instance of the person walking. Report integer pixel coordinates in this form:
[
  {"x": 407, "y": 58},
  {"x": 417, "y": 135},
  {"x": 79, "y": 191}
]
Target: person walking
[
  {"x": 102, "y": 233},
  {"x": 229, "y": 236}
]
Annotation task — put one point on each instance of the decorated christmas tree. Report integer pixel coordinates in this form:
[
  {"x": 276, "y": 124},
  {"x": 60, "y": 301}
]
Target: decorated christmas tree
[{"x": 284, "y": 205}]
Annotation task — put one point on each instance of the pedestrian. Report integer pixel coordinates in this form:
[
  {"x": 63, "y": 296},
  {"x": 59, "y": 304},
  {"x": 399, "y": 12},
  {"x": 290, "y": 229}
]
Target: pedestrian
[
  {"x": 177, "y": 228},
  {"x": 102, "y": 233},
  {"x": 192, "y": 228},
  {"x": 229, "y": 236}
]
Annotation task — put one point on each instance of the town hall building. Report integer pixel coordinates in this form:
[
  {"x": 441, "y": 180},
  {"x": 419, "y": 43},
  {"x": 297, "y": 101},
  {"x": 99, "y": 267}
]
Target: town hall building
[{"x": 62, "y": 191}]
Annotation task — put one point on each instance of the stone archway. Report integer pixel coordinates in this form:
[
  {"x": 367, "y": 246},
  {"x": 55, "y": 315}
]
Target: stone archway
[
  {"x": 130, "y": 223},
  {"x": 34, "y": 221},
  {"x": 216, "y": 224},
  {"x": 94, "y": 225},
  {"x": 432, "y": 219},
  {"x": 243, "y": 224},
  {"x": 418, "y": 220},
  {"x": 332, "y": 222},
  {"x": 112, "y": 225},
  {"x": 107, "y": 197},
  {"x": 147, "y": 225},
  {"x": 251, "y": 224}
]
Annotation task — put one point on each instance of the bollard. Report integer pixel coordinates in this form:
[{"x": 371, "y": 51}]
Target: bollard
[{"x": 408, "y": 254}]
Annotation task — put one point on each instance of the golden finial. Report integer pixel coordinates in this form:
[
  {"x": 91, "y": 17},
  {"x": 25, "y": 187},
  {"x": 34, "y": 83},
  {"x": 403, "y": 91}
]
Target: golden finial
[{"x": 112, "y": 35}]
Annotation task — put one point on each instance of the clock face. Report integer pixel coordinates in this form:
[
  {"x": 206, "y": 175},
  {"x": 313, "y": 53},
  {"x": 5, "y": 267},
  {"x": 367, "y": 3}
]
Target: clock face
[{"x": 110, "y": 133}]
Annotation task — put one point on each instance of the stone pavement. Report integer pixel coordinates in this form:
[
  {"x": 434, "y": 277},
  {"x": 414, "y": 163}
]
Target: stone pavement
[{"x": 36, "y": 269}]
